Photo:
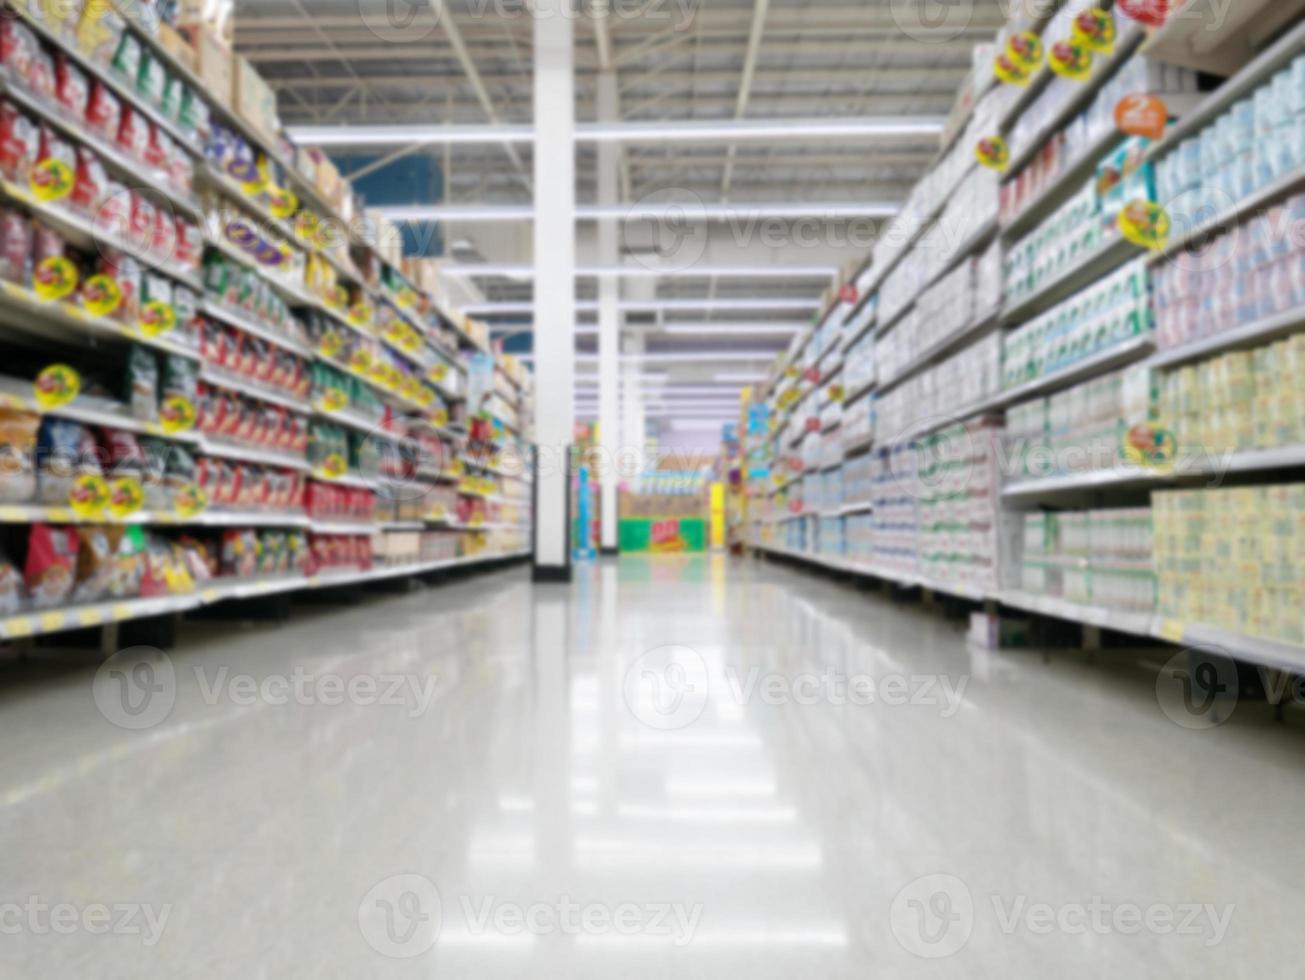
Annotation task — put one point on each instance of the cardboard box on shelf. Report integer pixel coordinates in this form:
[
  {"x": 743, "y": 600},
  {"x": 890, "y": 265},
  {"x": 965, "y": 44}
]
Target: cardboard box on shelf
[
  {"x": 254, "y": 100},
  {"x": 212, "y": 61},
  {"x": 216, "y": 16},
  {"x": 177, "y": 45}
]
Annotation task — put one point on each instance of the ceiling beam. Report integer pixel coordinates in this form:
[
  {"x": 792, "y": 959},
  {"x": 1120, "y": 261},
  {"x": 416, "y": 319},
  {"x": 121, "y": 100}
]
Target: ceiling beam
[{"x": 759, "y": 9}]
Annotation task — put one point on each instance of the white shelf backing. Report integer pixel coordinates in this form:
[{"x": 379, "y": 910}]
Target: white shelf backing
[{"x": 1217, "y": 36}]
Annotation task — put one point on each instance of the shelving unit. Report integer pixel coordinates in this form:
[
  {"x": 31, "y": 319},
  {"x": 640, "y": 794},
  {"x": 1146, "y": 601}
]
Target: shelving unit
[
  {"x": 796, "y": 528},
  {"x": 428, "y": 336}
]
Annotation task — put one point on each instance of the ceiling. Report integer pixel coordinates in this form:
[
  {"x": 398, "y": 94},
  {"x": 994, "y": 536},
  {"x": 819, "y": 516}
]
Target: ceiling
[{"x": 469, "y": 62}]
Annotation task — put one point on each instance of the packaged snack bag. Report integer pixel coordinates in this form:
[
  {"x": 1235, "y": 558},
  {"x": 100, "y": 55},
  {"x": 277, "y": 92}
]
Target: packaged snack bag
[
  {"x": 90, "y": 184},
  {"x": 11, "y": 587},
  {"x": 20, "y": 141},
  {"x": 113, "y": 214},
  {"x": 156, "y": 452},
  {"x": 18, "y": 431},
  {"x": 100, "y": 31},
  {"x": 143, "y": 384},
  {"x": 64, "y": 451},
  {"x": 18, "y": 46},
  {"x": 51, "y": 565},
  {"x": 95, "y": 565},
  {"x": 127, "y": 57},
  {"x": 133, "y": 132},
  {"x": 15, "y": 247},
  {"x": 103, "y": 111},
  {"x": 70, "y": 86},
  {"x": 40, "y": 75},
  {"x": 128, "y": 561}
]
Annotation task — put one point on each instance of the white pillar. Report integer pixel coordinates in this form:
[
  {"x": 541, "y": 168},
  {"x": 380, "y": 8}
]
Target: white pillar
[
  {"x": 609, "y": 323},
  {"x": 554, "y": 346},
  {"x": 633, "y": 437}
]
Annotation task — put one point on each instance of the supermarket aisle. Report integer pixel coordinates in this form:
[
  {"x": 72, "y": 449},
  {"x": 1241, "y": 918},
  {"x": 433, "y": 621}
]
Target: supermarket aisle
[{"x": 566, "y": 797}]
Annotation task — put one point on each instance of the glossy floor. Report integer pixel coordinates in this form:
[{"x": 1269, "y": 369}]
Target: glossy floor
[{"x": 679, "y": 767}]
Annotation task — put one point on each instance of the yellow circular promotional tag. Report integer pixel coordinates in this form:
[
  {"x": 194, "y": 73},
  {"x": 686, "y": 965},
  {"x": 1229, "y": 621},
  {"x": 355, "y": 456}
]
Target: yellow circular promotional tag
[
  {"x": 333, "y": 400},
  {"x": 281, "y": 202},
  {"x": 89, "y": 496},
  {"x": 337, "y": 298},
  {"x": 157, "y": 318},
  {"x": 409, "y": 387},
  {"x": 54, "y": 278},
  {"x": 440, "y": 417},
  {"x": 334, "y": 466},
  {"x": 993, "y": 152},
  {"x": 406, "y": 298},
  {"x": 1145, "y": 223},
  {"x": 56, "y": 386},
  {"x": 360, "y": 359},
  {"x": 331, "y": 345},
  {"x": 190, "y": 500},
  {"x": 1025, "y": 49},
  {"x": 51, "y": 180},
  {"x": 126, "y": 496},
  {"x": 1070, "y": 59},
  {"x": 835, "y": 393},
  {"x": 101, "y": 295},
  {"x": 177, "y": 413},
  {"x": 438, "y": 372},
  {"x": 1096, "y": 29},
  {"x": 1011, "y": 72},
  {"x": 424, "y": 396},
  {"x": 1150, "y": 446},
  {"x": 360, "y": 314}
]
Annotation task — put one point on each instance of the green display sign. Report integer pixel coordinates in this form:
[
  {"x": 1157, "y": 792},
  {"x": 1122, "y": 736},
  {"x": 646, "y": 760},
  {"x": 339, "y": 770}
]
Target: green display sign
[{"x": 671, "y": 535}]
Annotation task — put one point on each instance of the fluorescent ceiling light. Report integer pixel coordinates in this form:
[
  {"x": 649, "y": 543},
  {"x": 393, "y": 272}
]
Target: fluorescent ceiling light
[
  {"x": 685, "y": 357},
  {"x": 678, "y": 211},
  {"x": 733, "y": 130},
  {"x": 739, "y": 377},
  {"x": 694, "y": 425},
  {"x": 510, "y": 307},
  {"x": 644, "y": 272}
]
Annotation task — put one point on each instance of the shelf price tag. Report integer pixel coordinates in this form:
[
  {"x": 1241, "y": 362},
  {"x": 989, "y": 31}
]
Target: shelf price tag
[
  {"x": 190, "y": 501},
  {"x": 51, "y": 621},
  {"x": 333, "y": 467},
  {"x": 1070, "y": 59},
  {"x": 332, "y": 400},
  {"x": 1142, "y": 115},
  {"x": 993, "y": 153},
  {"x": 56, "y": 386},
  {"x": 1171, "y": 630},
  {"x": 177, "y": 414},
  {"x": 1145, "y": 223},
  {"x": 18, "y": 627},
  {"x": 1095, "y": 29},
  {"x": 1150, "y": 446},
  {"x": 51, "y": 180},
  {"x": 281, "y": 202},
  {"x": 126, "y": 496},
  {"x": 101, "y": 295},
  {"x": 157, "y": 318},
  {"x": 54, "y": 278},
  {"x": 89, "y": 496}
]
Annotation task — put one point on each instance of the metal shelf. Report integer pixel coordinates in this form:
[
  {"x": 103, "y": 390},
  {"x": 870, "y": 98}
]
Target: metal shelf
[
  {"x": 1249, "y": 335},
  {"x": 1108, "y": 256}
]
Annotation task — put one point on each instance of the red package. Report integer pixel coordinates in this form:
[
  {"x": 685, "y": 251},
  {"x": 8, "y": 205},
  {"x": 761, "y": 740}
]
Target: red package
[
  {"x": 213, "y": 343},
  {"x": 40, "y": 75},
  {"x": 70, "y": 86},
  {"x": 113, "y": 214},
  {"x": 228, "y": 483},
  {"x": 123, "y": 454},
  {"x": 103, "y": 111},
  {"x": 229, "y": 414},
  {"x": 190, "y": 245},
  {"x": 256, "y": 434},
  {"x": 15, "y": 247},
  {"x": 46, "y": 243},
  {"x": 90, "y": 184},
  {"x": 18, "y": 46},
  {"x": 156, "y": 148},
  {"x": 180, "y": 168},
  {"x": 133, "y": 132},
  {"x": 246, "y": 414},
  {"x": 143, "y": 217},
  {"x": 126, "y": 272},
  {"x": 243, "y": 357},
  {"x": 51, "y": 565},
  {"x": 263, "y": 360},
  {"x": 164, "y": 244},
  {"x": 55, "y": 147},
  {"x": 20, "y": 141}
]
